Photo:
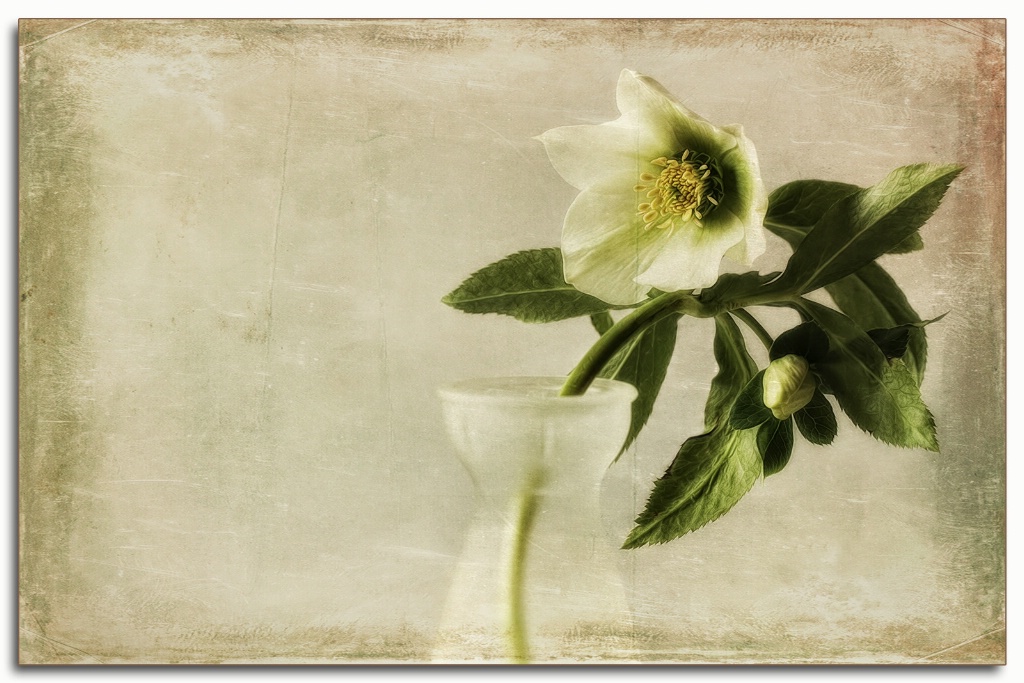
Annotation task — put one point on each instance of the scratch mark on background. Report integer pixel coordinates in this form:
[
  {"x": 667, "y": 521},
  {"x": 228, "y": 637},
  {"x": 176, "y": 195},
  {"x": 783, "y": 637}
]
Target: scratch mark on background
[
  {"x": 276, "y": 234},
  {"x": 501, "y": 137},
  {"x": 959, "y": 645},
  {"x": 60, "y": 644},
  {"x": 419, "y": 553},
  {"x": 54, "y": 35},
  {"x": 959, "y": 27},
  {"x": 123, "y": 567},
  {"x": 150, "y": 481},
  {"x": 431, "y": 98},
  {"x": 382, "y": 307},
  {"x": 843, "y": 143}
]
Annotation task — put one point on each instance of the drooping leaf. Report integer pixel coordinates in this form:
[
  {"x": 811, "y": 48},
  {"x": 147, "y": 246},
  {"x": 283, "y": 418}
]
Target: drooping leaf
[
  {"x": 872, "y": 299},
  {"x": 913, "y": 242},
  {"x": 880, "y": 396},
  {"x": 893, "y": 341},
  {"x": 643, "y": 363},
  {"x": 528, "y": 285},
  {"x": 711, "y": 472},
  {"x": 802, "y": 203},
  {"x": 709, "y": 475},
  {"x": 806, "y": 340},
  {"x": 735, "y": 368},
  {"x": 749, "y": 409},
  {"x": 817, "y": 421},
  {"x": 859, "y": 228},
  {"x": 775, "y": 444},
  {"x": 602, "y": 321}
]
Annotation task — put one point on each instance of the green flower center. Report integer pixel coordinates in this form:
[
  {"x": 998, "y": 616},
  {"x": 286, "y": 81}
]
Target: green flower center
[{"x": 688, "y": 189}]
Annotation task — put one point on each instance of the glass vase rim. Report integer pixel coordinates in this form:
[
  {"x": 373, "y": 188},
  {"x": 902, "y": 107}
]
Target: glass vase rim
[{"x": 535, "y": 390}]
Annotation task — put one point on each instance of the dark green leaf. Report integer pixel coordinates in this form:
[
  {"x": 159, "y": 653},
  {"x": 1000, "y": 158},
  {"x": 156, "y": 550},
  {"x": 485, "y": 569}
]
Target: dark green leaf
[
  {"x": 893, "y": 341},
  {"x": 856, "y": 230},
  {"x": 749, "y": 409},
  {"x": 709, "y": 475},
  {"x": 817, "y": 421},
  {"x": 912, "y": 243},
  {"x": 872, "y": 299},
  {"x": 802, "y": 203},
  {"x": 528, "y": 286},
  {"x": 775, "y": 444},
  {"x": 643, "y": 363},
  {"x": 733, "y": 286},
  {"x": 602, "y": 321},
  {"x": 806, "y": 340},
  {"x": 880, "y": 396},
  {"x": 735, "y": 368},
  {"x": 711, "y": 472}
]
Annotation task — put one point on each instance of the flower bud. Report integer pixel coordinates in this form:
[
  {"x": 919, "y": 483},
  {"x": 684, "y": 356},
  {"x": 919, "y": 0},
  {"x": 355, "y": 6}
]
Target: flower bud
[{"x": 788, "y": 386}]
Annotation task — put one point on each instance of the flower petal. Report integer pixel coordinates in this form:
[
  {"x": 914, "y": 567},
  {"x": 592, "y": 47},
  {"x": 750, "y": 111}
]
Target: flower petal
[
  {"x": 604, "y": 245},
  {"x": 749, "y": 248},
  {"x": 692, "y": 256},
  {"x": 589, "y": 155},
  {"x": 749, "y": 199},
  {"x": 664, "y": 122},
  {"x": 747, "y": 193}
]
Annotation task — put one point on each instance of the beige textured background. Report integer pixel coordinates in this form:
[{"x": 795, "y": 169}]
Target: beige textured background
[{"x": 234, "y": 239}]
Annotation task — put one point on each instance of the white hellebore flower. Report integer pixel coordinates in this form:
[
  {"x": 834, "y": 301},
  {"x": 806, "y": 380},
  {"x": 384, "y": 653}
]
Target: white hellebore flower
[{"x": 664, "y": 195}]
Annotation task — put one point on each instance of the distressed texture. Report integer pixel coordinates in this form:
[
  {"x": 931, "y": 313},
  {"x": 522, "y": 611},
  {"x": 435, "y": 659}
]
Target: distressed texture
[{"x": 234, "y": 240}]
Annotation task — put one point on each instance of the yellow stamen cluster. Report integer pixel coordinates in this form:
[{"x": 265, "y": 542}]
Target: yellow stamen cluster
[{"x": 679, "y": 191}]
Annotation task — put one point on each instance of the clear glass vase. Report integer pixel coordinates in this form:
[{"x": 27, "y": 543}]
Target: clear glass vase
[{"x": 537, "y": 579}]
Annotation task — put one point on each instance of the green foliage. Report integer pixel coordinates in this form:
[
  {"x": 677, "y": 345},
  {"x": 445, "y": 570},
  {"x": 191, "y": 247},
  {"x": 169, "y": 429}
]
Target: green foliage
[
  {"x": 709, "y": 475},
  {"x": 749, "y": 409},
  {"x": 806, "y": 340},
  {"x": 602, "y": 321},
  {"x": 733, "y": 286},
  {"x": 913, "y": 242},
  {"x": 801, "y": 203},
  {"x": 858, "y": 228},
  {"x": 879, "y": 395},
  {"x": 643, "y": 362},
  {"x": 735, "y": 368},
  {"x": 870, "y": 297},
  {"x": 894, "y": 341},
  {"x": 711, "y": 472},
  {"x": 775, "y": 444},
  {"x": 528, "y": 285},
  {"x": 873, "y": 300},
  {"x": 870, "y": 355},
  {"x": 817, "y": 421}
]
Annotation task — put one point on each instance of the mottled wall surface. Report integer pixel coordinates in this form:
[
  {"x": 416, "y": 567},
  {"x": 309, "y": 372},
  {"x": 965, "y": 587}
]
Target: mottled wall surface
[{"x": 234, "y": 240}]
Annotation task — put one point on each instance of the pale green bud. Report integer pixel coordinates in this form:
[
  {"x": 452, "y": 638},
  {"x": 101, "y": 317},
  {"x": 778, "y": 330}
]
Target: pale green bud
[{"x": 788, "y": 386}]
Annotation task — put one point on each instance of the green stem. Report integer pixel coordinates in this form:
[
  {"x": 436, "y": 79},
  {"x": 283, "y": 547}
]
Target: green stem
[
  {"x": 525, "y": 518},
  {"x": 654, "y": 310},
  {"x": 752, "y": 322},
  {"x": 620, "y": 333}
]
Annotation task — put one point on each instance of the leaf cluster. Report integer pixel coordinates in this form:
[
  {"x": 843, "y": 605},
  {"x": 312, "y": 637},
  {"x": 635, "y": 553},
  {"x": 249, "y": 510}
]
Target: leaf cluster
[{"x": 869, "y": 352}]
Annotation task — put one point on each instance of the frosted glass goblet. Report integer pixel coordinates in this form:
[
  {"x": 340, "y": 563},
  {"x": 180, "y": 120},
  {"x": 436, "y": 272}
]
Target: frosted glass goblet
[{"x": 538, "y": 576}]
